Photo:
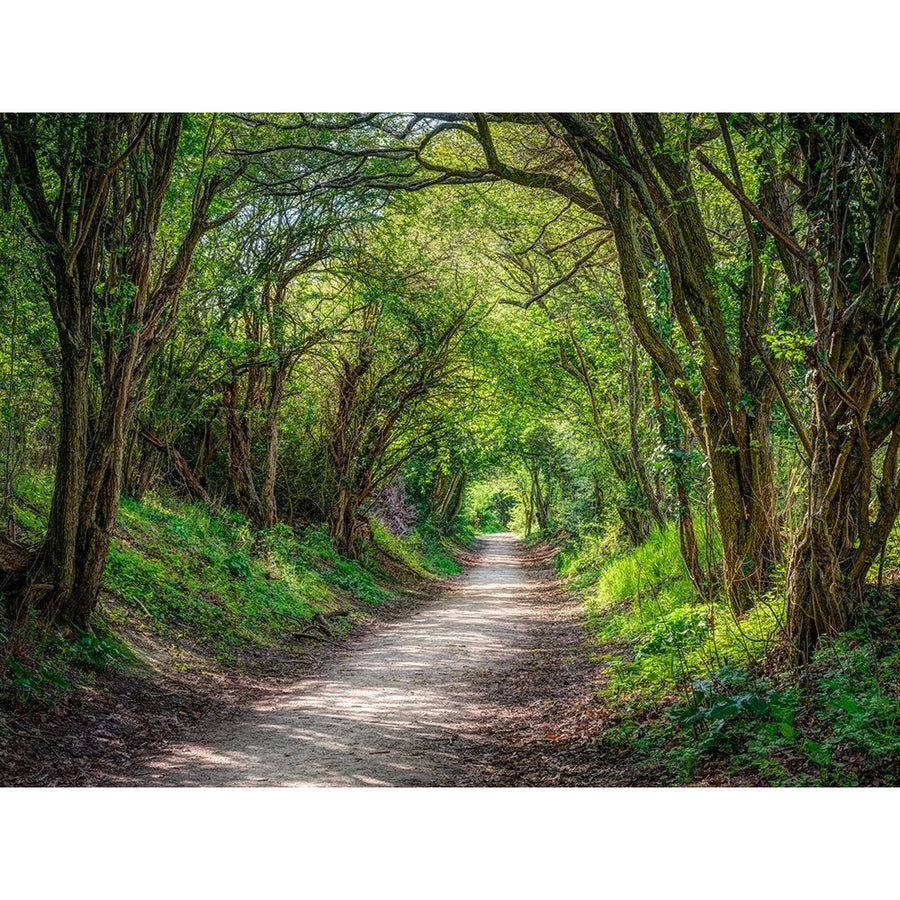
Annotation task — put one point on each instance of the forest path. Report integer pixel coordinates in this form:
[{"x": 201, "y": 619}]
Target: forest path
[{"x": 402, "y": 705}]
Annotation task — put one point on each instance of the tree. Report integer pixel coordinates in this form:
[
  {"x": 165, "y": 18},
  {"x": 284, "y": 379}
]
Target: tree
[
  {"x": 95, "y": 191},
  {"x": 278, "y": 328},
  {"x": 841, "y": 252},
  {"x": 402, "y": 351}
]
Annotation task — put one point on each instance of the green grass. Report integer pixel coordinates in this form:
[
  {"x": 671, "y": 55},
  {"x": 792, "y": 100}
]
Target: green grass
[
  {"x": 30, "y": 505},
  {"x": 690, "y": 686},
  {"x": 425, "y": 552},
  {"x": 399, "y": 548},
  {"x": 211, "y": 574},
  {"x": 643, "y": 602},
  {"x": 356, "y": 576},
  {"x": 201, "y": 580},
  {"x": 43, "y": 666}
]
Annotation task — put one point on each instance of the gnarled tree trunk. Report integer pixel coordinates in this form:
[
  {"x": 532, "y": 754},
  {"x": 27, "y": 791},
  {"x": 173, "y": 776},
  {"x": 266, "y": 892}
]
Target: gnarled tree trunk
[
  {"x": 270, "y": 470},
  {"x": 851, "y": 300},
  {"x": 846, "y": 523},
  {"x": 117, "y": 170}
]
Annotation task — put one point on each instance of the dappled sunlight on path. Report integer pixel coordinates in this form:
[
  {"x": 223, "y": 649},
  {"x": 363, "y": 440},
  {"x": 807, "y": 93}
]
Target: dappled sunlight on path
[{"x": 388, "y": 710}]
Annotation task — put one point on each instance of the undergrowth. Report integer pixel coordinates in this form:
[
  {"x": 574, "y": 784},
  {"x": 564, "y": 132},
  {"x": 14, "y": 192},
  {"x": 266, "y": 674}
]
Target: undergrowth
[
  {"x": 43, "y": 666},
  {"x": 698, "y": 693}
]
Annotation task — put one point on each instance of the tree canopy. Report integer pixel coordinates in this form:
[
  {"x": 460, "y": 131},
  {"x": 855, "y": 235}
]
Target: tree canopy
[{"x": 565, "y": 323}]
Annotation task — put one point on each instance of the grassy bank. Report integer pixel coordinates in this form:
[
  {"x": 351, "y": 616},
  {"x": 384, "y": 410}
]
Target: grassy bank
[
  {"x": 702, "y": 696},
  {"x": 208, "y": 592}
]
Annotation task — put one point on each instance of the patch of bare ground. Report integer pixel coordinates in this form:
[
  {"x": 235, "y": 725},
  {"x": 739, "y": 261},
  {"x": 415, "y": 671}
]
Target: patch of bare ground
[
  {"x": 487, "y": 683},
  {"x": 542, "y": 720},
  {"x": 102, "y": 731}
]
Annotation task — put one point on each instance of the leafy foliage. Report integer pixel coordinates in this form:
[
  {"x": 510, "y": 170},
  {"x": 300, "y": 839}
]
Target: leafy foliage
[{"x": 664, "y": 342}]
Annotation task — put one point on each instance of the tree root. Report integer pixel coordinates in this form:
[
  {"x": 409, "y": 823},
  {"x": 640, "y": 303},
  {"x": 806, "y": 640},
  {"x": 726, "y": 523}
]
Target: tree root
[{"x": 320, "y": 624}]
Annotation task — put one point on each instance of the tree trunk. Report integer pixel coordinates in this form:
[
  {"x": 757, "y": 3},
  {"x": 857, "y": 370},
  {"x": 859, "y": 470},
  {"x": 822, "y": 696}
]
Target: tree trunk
[
  {"x": 675, "y": 439},
  {"x": 636, "y": 457},
  {"x": 240, "y": 466},
  {"x": 450, "y": 498},
  {"x": 853, "y": 366},
  {"x": 184, "y": 470},
  {"x": 597, "y": 497},
  {"x": 59, "y": 551},
  {"x": 276, "y": 394},
  {"x": 743, "y": 485},
  {"x": 140, "y": 469},
  {"x": 343, "y": 522},
  {"x": 343, "y": 451},
  {"x": 633, "y": 510},
  {"x": 734, "y": 436},
  {"x": 635, "y": 524},
  {"x": 839, "y": 539},
  {"x": 94, "y": 539},
  {"x": 540, "y": 508},
  {"x": 455, "y": 505}
]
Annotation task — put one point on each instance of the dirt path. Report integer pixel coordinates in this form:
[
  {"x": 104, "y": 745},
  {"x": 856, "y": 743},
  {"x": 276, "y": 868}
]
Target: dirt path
[{"x": 410, "y": 703}]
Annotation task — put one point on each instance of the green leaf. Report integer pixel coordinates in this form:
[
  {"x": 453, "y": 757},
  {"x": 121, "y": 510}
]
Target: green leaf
[{"x": 818, "y": 753}]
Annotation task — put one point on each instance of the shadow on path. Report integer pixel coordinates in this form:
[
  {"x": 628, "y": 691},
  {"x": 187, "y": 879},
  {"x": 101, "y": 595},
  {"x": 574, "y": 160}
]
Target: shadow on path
[{"x": 390, "y": 709}]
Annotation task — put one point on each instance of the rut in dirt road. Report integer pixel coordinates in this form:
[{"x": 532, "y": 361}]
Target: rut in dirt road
[{"x": 391, "y": 709}]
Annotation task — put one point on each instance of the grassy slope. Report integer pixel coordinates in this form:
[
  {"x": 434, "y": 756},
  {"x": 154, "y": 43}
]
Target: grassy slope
[
  {"x": 702, "y": 695},
  {"x": 207, "y": 592}
]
